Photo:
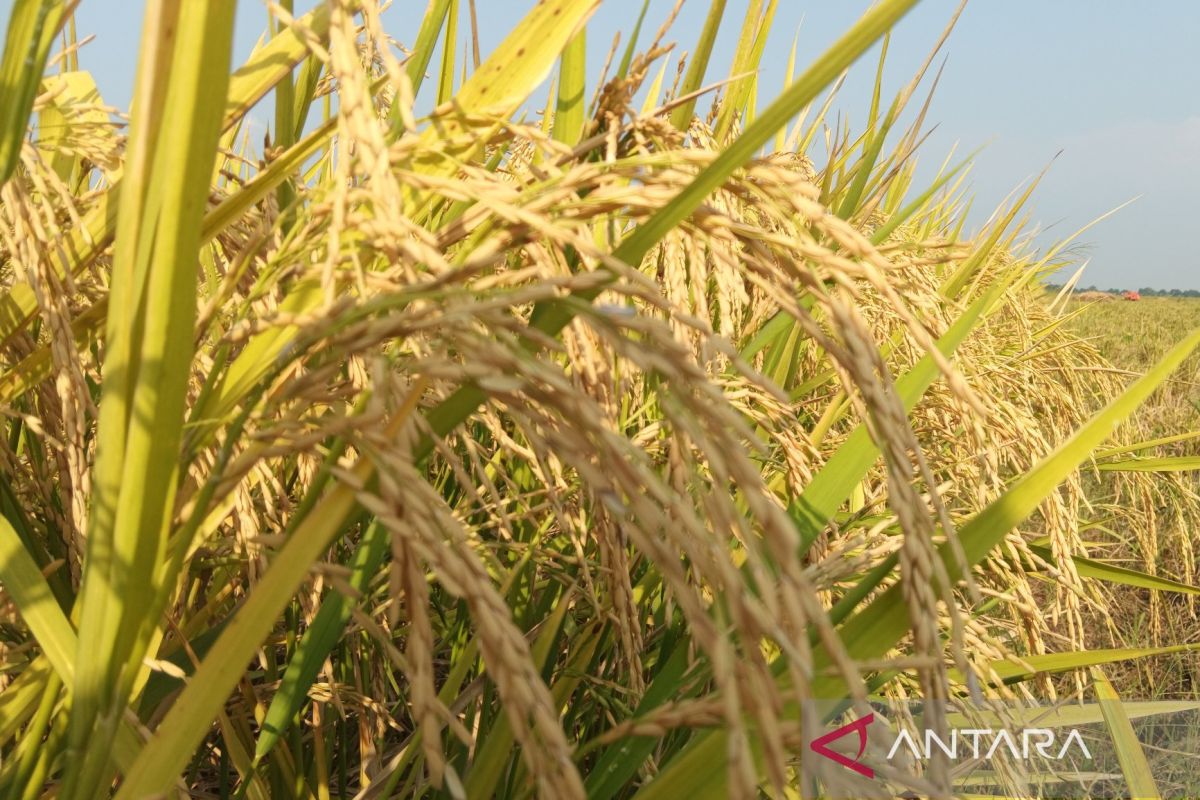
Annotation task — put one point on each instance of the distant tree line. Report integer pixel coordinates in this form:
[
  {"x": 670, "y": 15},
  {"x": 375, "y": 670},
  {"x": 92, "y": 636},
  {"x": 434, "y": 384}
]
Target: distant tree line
[{"x": 1145, "y": 291}]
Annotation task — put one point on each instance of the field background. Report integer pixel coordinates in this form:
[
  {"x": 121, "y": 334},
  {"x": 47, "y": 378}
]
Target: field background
[
  {"x": 1134, "y": 335},
  {"x": 1131, "y": 336}
]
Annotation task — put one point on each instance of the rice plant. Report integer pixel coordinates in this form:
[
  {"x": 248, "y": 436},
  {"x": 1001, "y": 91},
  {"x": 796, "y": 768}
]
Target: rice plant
[{"x": 561, "y": 441}]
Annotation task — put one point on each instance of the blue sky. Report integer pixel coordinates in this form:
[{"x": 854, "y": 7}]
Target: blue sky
[{"x": 1114, "y": 85}]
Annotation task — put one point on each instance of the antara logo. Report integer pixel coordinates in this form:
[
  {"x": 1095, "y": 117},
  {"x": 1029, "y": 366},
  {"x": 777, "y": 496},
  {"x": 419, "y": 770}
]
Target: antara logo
[
  {"x": 821, "y": 746},
  {"x": 1031, "y": 740},
  {"x": 972, "y": 743}
]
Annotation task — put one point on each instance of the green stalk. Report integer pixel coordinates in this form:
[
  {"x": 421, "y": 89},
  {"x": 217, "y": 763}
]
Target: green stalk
[{"x": 148, "y": 361}]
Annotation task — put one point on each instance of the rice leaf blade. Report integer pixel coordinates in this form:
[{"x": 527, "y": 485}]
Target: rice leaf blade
[
  {"x": 25, "y": 584},
  {"x": 1130, "y": 755},
  {"x": 1016, "y": 670},
  {"x": 572, "y": 90},
  {"x": 32, "y": 26},
  {"x": 1110, "y": 573},
  {"x": 318, "y": 640},
  {"x": 1164, "y": 464},
  {"x": 681, "y": 117}
]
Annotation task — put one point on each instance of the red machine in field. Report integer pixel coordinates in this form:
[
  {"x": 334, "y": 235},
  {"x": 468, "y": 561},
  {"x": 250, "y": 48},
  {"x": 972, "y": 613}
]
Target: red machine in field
[{"x": 1134, "y": 296}]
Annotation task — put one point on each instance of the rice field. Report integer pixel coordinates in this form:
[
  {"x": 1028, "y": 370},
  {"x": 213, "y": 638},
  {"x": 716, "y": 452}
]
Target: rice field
[
  {"x": 1132, "y": 336},
  {"x": 567, "y": 440}
]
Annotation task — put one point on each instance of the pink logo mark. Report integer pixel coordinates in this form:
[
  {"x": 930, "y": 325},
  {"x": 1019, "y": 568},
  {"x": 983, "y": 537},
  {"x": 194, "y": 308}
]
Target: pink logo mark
[{"x": 820, "y": 746}]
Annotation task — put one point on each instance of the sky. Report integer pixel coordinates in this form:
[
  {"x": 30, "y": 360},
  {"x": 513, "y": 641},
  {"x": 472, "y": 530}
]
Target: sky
[{"x": 1112, "y": 85}]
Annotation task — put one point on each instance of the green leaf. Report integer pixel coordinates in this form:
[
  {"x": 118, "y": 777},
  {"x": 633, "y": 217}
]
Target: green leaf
[
  {"x": 445, "y": 87},
  {"x": 1090, "y": 568},
  {"x": 523, "y": 60},
  {"x": 20, "y": 698},
  {"x": 620, "y": 762},
  {"x": 248, "y": 84},
  {"x": 1070, "y": 715},
  {"x": 431, "y": 26},
  {"x": 502, "y": 82},
  {"x": 1165, "y": 464},
  {"x": 178, "y": 735},
  {"x": 70, "y": 90},
  {"x": 27, "y": 587},
  {"x": 181, "y": 731},
  {"x": 318, "y": 641},
  {"x": 747, "y": 56},
  {"x": 1130, "y": 756},
  {"x": 631, "y": 47},
  {"x": 1014, "y": 670},
  {"x": 681, "y": 117},
  {"x": 32, "y": 26},
  {"x": 493, "y": 757},
  {"x": 285, "y": 122},
  {"x": 875, "y": 629},
  {"x": 552, "y": 317},
  {"x": 1147, "y": 444},
  {"x": 272, "y": 63},
  {"x": 881, "y": 234},
  {"x": 572, "y": 90}
]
